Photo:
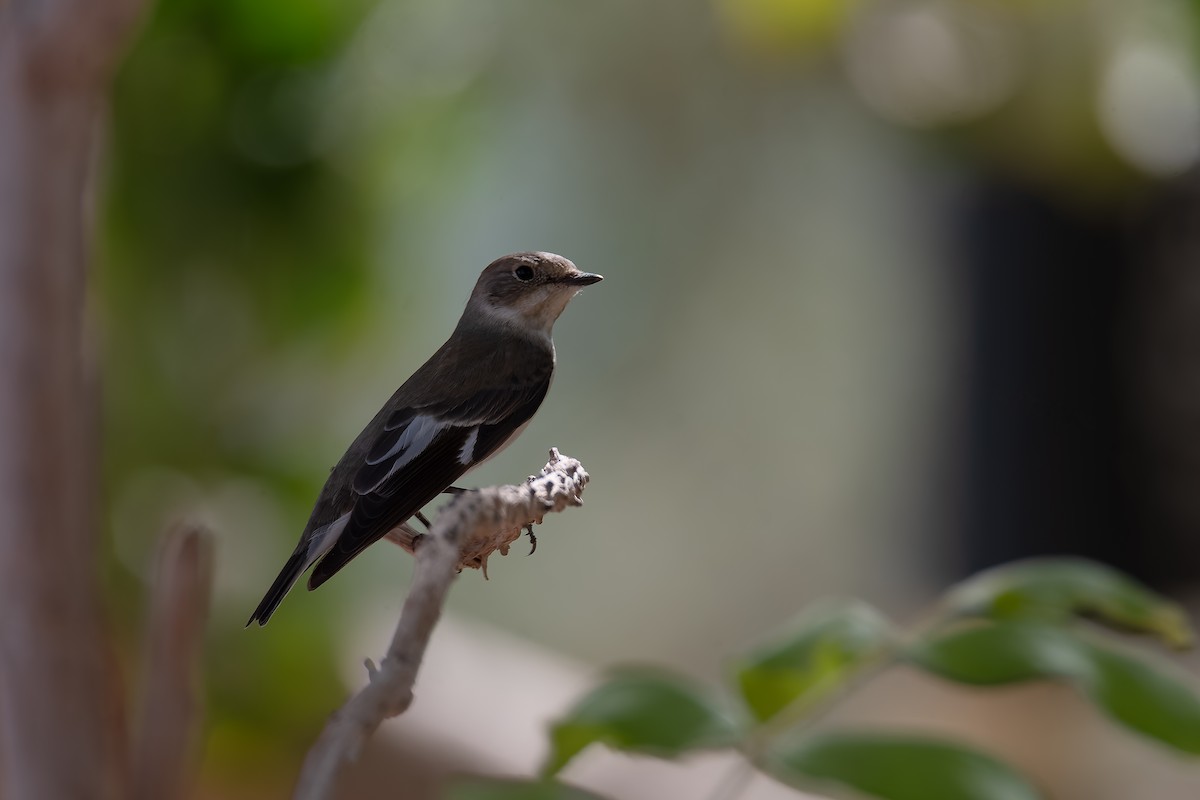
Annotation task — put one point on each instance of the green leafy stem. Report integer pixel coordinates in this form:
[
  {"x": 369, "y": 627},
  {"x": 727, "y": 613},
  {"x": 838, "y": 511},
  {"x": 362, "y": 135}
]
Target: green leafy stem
[{"x": 1045, "y": 619}]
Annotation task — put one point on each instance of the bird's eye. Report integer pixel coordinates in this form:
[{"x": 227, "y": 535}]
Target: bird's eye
[{"x": 524, "y": 273}]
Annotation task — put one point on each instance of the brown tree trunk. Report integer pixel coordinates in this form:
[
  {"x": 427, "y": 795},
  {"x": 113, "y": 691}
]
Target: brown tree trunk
[{"x": 62, "y": 727}]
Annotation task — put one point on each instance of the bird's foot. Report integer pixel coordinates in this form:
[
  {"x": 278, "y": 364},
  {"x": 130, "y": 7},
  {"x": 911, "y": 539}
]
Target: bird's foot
[{"x": 532, "y": 539}]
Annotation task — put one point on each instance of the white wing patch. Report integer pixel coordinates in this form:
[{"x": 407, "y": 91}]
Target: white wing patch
[
  {"x": 414, "y": 440},
  {"x": 467, "y": 454},
  {"x": 324, "y": 538},
  {"x": 415, "y": 437}
]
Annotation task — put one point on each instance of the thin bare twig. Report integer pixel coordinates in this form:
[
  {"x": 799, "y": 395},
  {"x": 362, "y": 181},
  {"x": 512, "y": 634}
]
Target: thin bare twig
[{"x": 466, "y": 531}]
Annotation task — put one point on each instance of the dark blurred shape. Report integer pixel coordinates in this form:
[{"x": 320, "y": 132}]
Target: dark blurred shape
[
  {"x": 1067, "y": 449},
  {"x": 1165, "y": 379}
]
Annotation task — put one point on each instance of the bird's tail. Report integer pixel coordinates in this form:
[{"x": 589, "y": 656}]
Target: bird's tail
[
  {"x": 279, "y": 589},
  {"x": 312, "y": 546}
]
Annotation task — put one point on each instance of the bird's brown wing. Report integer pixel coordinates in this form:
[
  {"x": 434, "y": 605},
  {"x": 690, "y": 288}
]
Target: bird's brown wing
[{"x": 419, "y": 453}]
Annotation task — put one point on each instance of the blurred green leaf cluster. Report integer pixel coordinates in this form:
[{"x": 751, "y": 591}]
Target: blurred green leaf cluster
[
  {"x": 811, "y": 662},
  {"x": 231, "y": 235},
  {"x": 642, "y": 712},
  {"x": 227, "y": 229},
  {"x": 1034, "y": 620}
]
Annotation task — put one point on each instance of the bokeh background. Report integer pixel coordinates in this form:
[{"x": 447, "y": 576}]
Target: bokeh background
[{"x": 895, "y": 290}]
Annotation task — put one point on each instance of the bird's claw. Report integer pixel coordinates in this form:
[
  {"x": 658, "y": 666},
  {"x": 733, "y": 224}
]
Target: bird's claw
[{"x": 532, "y": 539}]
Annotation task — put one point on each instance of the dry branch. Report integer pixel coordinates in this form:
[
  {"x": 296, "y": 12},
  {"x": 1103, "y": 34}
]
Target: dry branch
[{"x": 466, "y": 531}]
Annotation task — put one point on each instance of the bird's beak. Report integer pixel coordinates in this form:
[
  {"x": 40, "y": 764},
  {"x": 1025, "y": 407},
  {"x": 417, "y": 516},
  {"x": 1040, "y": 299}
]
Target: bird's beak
[{"x": 582, "y": 279}]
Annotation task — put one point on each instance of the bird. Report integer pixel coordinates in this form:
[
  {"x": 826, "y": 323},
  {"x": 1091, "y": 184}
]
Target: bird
[{"x": 464, "y": 405}]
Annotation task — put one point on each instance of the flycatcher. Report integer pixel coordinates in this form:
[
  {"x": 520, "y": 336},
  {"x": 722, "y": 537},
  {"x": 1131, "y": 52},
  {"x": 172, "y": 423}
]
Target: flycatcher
[{"x": 463, "y": 406}]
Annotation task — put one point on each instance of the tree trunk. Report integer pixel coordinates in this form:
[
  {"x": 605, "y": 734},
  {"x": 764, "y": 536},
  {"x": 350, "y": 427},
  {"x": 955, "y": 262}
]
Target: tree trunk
[{"x": 62, "y": 727}]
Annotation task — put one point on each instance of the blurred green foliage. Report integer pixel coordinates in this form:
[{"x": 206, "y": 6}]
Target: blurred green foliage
[
  {"x": 899, "y": 768},
  {"x": 1141, "y": 697},
  {"x": 228, "y": 235},
  {"x": 1058, "y": 589},
  {"x": 971, "y": 640},
  {"x": 642, "y": 712},
  {"x": 808, "y": 662}
]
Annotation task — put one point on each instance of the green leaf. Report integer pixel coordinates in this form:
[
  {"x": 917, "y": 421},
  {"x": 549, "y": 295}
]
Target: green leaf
[
  {"x": 642, "y": 712},
  {"x": 827, "y": 647},
  {"x": 1008, "y": 652},
  {"x": 1055, "y": 589},
  {"x": 898, "y": 768},
  {"x": 482, "y": 789},
  {"x": 1145, "y": 698},
  {"x": 1136, "y": 692}
]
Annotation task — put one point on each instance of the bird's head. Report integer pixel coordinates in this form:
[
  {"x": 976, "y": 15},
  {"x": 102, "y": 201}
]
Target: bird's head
[{"x": 527, "y": 291}]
